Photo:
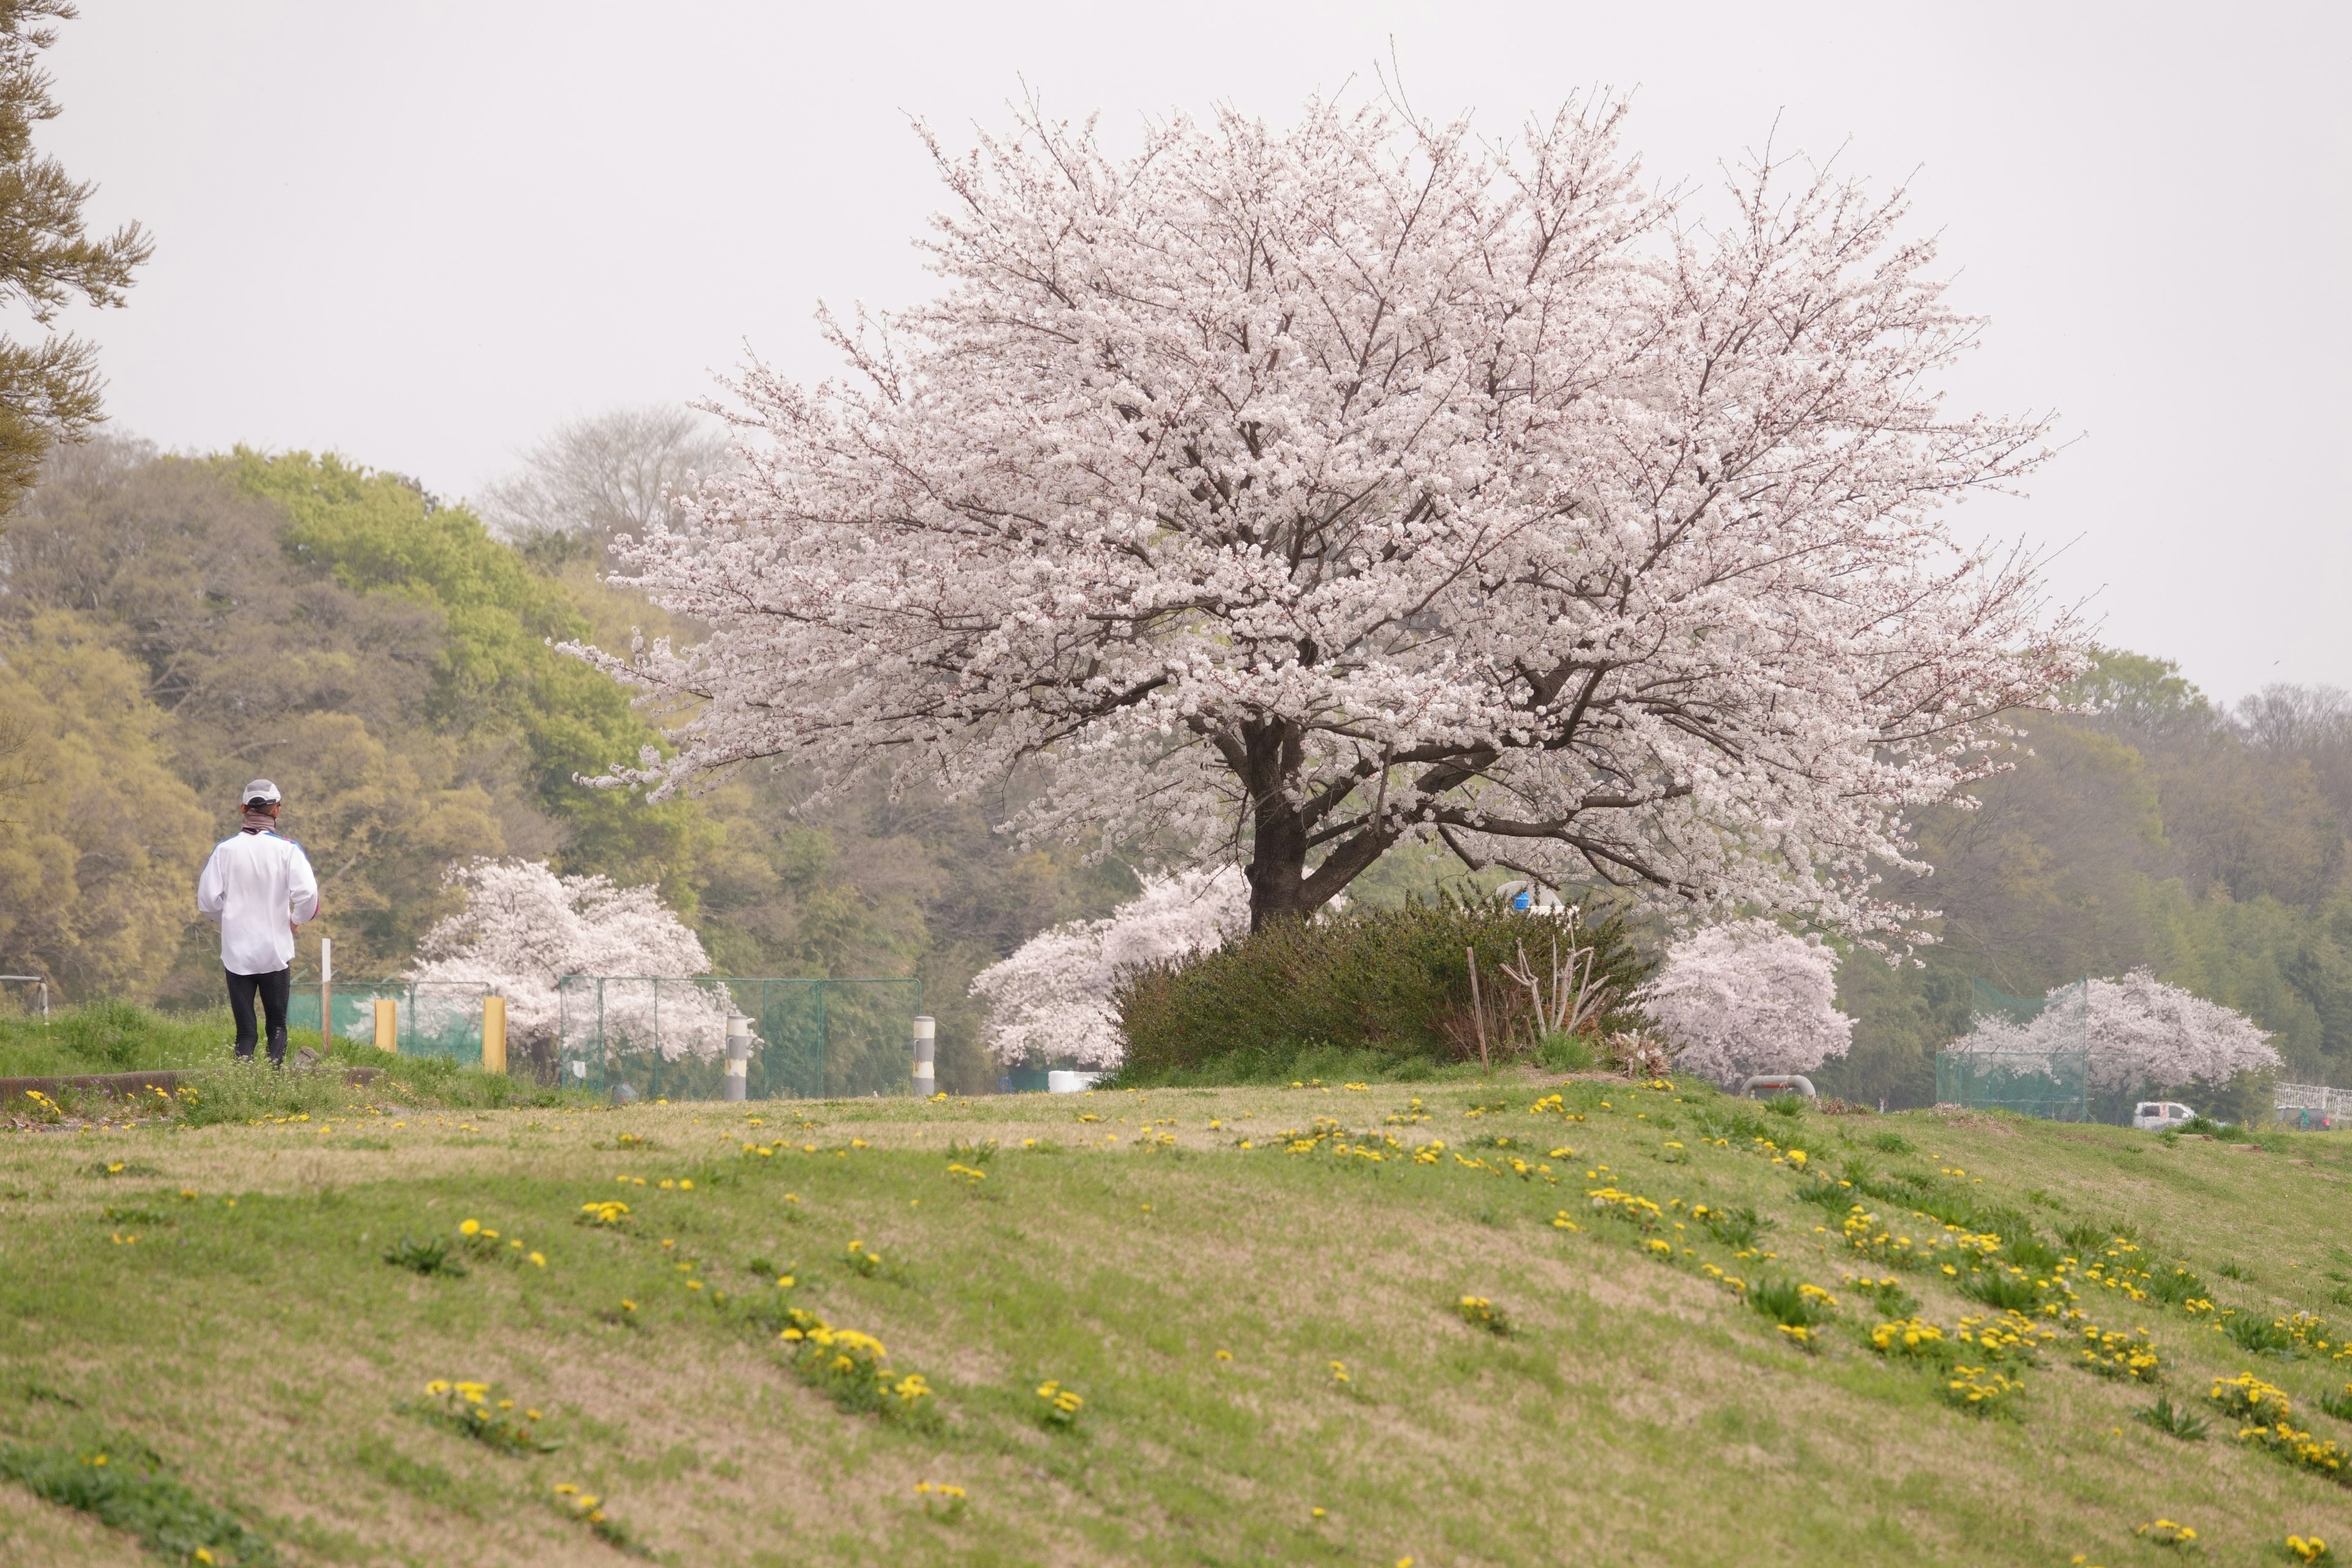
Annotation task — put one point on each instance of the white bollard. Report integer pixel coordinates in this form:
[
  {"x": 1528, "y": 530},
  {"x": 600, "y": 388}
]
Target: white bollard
[
  {"x": 926, "y": 1048},
  {"x": 739, "y": 1058}
]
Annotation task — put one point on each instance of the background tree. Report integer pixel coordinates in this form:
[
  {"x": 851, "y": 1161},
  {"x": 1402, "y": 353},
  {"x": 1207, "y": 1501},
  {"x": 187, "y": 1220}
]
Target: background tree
[
  {"x": 49, "y": 389},
  {"x": 2140, "y": 1034},
  {"x": 1747, "y": 997},
  {"x": 609, "y": 474},
  {"x": 2154, "y": 830},
  {"x": 100, "y": 841},
  {"x": 1298, "y": 494},
  {"x": 1054, "y": 998},
  {"x": 522, "y": 928}
]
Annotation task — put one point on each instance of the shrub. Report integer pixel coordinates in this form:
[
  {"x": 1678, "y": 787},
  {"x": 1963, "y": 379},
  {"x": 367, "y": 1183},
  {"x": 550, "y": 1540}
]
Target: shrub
[
  {"x": 1981, "y": 1391},
  {"x": 429, "y": 1257},
  {"x": 2174, "y": 1420},
  {"x": 1735, "y": 1227},
  {"x": 2002, "y": 1290},
  {"x": 852, "y": 1369},
  {"x": 471, "y": 1410},
  {"x": 2258, "y": 1336},
  {"x": 2248, "y": 1398},
  {"x": 1393, "y": 984},
  {"x": 1481, "y": 1313},
  {"x": 1797, "y": 1309},
  {"x": 1909, "y": 1339}
]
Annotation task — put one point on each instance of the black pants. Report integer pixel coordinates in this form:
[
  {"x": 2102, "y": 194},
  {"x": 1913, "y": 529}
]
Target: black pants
[{"x": 272, "y": 989}]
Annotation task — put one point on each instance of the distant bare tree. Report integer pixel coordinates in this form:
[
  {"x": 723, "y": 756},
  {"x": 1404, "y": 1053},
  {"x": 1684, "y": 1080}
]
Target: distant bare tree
[
  {"x": 2313, "y": 723},
  {"x": 602, "y": 475}
]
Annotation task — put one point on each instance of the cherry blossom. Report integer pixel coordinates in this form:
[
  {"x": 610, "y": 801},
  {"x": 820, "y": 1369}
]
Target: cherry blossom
[
  {"x": 1746, "y": 999},
  {"x": 1291, "y": 494},
  {"x": 2140, "y": 1032},
  {"x": 1051, "y": 1000},
  {"x": 523, "y": 927}
]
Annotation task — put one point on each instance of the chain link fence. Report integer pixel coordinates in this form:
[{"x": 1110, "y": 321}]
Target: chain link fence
[
  {"x": 2028, "y": 1054},
  {"x": 2312, "y": 1106},
  {"x": 666, "y": 1040},
  {"x": 436, "y": 1018}
]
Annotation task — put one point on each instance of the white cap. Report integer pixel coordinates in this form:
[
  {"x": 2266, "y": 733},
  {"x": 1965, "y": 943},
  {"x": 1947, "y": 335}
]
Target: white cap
[{"x": 262, "y": 790}]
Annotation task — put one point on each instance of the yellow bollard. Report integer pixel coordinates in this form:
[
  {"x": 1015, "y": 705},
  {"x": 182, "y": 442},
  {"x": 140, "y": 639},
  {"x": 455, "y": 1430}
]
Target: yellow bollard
[
  {"x": 494, "y": 1034},
  {"x": 387, "y": 1025}
]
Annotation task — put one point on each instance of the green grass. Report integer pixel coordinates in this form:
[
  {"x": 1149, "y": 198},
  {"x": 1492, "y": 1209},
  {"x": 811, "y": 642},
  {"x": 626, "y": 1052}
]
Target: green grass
[
  {"x": 112, "y": 1037},
  {"x": 253, "y": 1339},
  {"x": 109, "y": 1037}
]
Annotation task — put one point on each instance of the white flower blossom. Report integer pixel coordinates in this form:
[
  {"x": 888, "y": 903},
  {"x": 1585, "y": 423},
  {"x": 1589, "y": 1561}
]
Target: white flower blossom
[
  {"x": 2139, "y": 1033},
  {"x": 523, "y": 927},
  {"x": 1051, "y": 1001},
  {"x": 1295, "y": 494},
  {"x": 1747, "y": 998}
]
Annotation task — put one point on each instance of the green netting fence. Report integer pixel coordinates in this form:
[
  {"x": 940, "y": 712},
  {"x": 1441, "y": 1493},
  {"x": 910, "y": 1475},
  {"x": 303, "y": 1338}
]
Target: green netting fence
[
  {"x": 2028, "y": 1054},
  {"x": 437, "y": 1018},
  {"x": 666, "y": 1038}
]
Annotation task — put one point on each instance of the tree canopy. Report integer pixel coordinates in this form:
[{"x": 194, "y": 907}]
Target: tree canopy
[
  {"x": 48, "y": 389},
  {"x": 1293, "y": 494}
]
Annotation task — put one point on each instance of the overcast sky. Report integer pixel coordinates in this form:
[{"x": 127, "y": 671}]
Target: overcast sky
[{"x": 421, "y": 234}]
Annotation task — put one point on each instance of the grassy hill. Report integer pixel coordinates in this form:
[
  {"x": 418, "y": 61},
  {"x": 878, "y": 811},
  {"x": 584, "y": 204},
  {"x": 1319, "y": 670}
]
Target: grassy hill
[{"x": 212, "y": 1305}]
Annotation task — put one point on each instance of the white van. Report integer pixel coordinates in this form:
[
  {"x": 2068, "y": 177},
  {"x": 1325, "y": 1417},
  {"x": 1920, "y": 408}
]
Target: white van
[{"x": 2155, "y": 1115}]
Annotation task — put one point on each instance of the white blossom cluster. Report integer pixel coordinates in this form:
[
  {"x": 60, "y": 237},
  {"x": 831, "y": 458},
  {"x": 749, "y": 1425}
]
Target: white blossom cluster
[
  {"x": 1296, "y": 493},
  {"x": 523, "y": 927},
  {"x": 1746, "y": 999},
  {"x": 1051, "y": 1000},
  {"x": 2139, "y": 1033}
]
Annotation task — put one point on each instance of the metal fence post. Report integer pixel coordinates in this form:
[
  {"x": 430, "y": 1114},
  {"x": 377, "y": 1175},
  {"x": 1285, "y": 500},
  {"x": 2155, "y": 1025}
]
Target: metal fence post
[
  {"x": 327, "y": 993},
  {"x": 926, "y": 1043}
]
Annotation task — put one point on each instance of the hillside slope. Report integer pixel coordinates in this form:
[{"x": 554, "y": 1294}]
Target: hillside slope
[{"x": 1124, "y": 1246}]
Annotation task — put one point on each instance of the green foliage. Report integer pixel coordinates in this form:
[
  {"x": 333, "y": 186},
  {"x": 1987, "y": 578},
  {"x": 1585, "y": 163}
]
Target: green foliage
[
  {"x": 1738, "y": 1228},
  {"x": 1391, "y": 983},
  {"x": 48, "y": 389},
  {"x": 494, "y": 672},
  {"x": 124, "y": 1485},
  {"x": 2174, "y": 1286},
  {"x": 99, "y": 839},
  {"x": 428, "y": 1257},
  {"x": 2002, "y": 1290},
  {"x": 2258, "y": 1335},
  {"x": 2160, "y": 831},
  {"x": 1792, "y": 1304}
]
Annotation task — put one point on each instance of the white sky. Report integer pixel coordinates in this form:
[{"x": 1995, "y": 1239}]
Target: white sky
[{"x": 421, "y": 234}]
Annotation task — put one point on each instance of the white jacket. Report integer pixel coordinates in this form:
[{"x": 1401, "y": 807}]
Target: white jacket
[{"x": 257, "y": 888}]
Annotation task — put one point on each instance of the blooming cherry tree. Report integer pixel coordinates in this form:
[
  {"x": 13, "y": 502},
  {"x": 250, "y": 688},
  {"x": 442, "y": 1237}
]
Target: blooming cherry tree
[
  {"x": 1747, "y": 997},
  {"x": 1052, "y": 999},
  {"x": 523, "y": 927},
  {"x": 1294, "y": 494},
  {"x": 2139, "y": 1033}
]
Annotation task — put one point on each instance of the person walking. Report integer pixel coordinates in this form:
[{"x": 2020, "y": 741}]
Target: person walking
[{"x": 259, "y": 888}]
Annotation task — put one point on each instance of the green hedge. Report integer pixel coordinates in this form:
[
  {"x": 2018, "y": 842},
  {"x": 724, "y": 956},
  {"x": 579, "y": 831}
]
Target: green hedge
[{"x": 1379, "y": 988}]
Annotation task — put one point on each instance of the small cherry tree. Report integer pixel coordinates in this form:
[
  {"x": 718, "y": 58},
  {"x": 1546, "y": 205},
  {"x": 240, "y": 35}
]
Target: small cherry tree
[
  {"x": 523, "y": 927},
  {"x": 1051, "y": 1000},
  {"x": 1293, "y": 494},
  {"x": 1746, "y": 999}
]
